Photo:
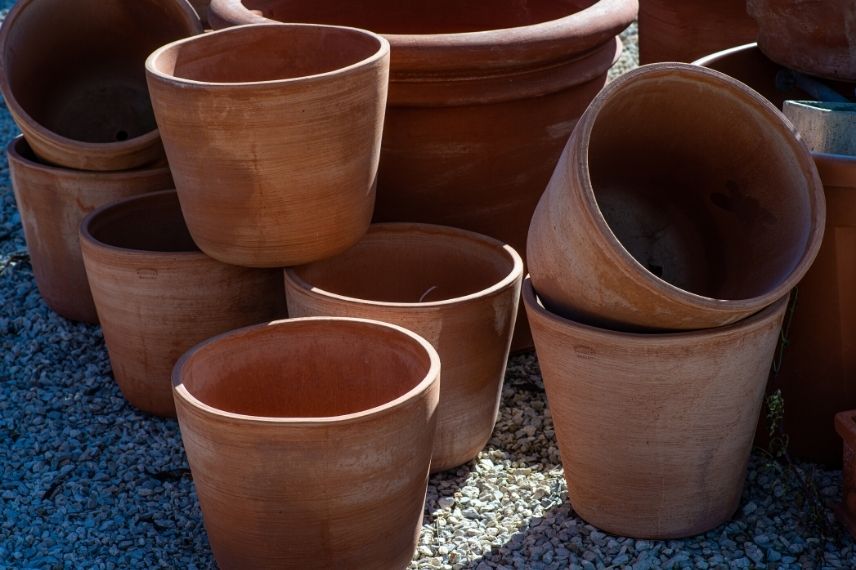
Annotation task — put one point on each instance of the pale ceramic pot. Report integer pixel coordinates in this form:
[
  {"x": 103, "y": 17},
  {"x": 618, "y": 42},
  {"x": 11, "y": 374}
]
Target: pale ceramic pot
[
  {"x": 310, "y": 441},
  {"x": 457, "y": 289}
]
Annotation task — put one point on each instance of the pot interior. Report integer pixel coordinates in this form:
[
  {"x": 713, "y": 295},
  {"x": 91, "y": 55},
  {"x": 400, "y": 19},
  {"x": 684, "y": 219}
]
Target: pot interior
[
  {"x": 701, "y": 185},
  {"x": 306, "y": 369},
  {"x": 77, "y": 66},
  {"x": 410, "y": 265}
]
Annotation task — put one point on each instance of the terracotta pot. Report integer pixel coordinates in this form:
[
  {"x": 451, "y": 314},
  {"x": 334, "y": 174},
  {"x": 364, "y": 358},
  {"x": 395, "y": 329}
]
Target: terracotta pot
[
  {"x": 52, "y": 202},
  {"x": 481, "y": 101},
  {"x": 716, "y": 212},
  {"x": 310, "y": 441},
  {"x": 157, "y": 295},
  {"x": 457, "y": 289},
  {"x": 688, "y": 29},
  {"x": 845, "y": 425},
  {"x": 813, "y": 37},
  {"x": 201, "y": 7},
  {"x": 71, "y": 72},
  {"x": 273, "y": 136},
  {"x": 654, "y": 430}
]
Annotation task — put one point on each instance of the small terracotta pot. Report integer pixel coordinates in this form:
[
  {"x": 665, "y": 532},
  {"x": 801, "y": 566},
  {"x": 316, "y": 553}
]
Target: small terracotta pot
[
  {"x": 157, "y": 294},
  {"x": 457, "y": 289},
  {"x": 273, "y": 136},
  {"x": 813, "y": 37},
  {"x": 71, "y": 72},
  {"x": 716, "y": 212},
  {"x": 654, "y": 430},
  {"x": 688, "y": 29},
  {"x": 845, "y": 425},
  {"x": 310, "y": 441},
  {"x": 52, "y": 202}
]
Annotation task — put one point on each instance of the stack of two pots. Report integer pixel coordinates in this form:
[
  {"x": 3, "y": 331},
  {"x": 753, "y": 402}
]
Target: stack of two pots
[{"x": 683, "y": 211}]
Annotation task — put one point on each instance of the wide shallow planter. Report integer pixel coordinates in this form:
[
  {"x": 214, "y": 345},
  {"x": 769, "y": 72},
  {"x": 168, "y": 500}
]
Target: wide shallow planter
[
  {"x": 157, "y": 295},
  {"x": 310, "y": 441},
  {"x": 817, "y": 38},
  {"x": 72, "y": 74},
  {"x": 457, "y": 289},
  {"x": 654, "y": 430},
  {"x": 481, "y": 100},
  {"x": 273, "y": 136},
  {"x": 52, "y": 202},
  {"x": 845, "y": 425},
  {"x": 716, "y": 212},
  {"x": 685, "y": 30}
]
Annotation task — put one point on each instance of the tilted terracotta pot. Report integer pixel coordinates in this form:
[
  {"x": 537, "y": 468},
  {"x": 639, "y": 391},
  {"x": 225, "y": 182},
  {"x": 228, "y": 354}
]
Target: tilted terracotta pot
[
  {"x": 817, "y": 38},
  {"x": 157, "y": 295},
  {"x": 685, "y": 30},
  {"x": 845, "y": 425},
  {"x": 310, "y": 441},
  {"x": 52, "y": 202},
  {"x": 654, "y": 430},
  {"x": 457, "y": 289},
  {"x": 72, "y": 74},
  {"x": 481, "y": 100},
  {"x": 273, "y": 136},
  {"x": 716, "y": 212}
]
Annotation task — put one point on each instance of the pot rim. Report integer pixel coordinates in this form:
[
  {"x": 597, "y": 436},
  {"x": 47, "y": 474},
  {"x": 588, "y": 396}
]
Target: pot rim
[
  {"x": 706, "y": 60},
  {"x": 628, "y": 264},
  {"x": 420, "y": 388},
  {"x": 515, "y": 274},
  {"x": 335, "y": 74}
]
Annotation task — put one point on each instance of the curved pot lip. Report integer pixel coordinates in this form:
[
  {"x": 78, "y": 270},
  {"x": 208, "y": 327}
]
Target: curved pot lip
[
  {"x": 335, "y": 74},
  {"x": 514, "y": 275},
  {"x": 716, "y": 56},
  {"x": 628, "y": 264},
  {"x": 423, "y": 386}
]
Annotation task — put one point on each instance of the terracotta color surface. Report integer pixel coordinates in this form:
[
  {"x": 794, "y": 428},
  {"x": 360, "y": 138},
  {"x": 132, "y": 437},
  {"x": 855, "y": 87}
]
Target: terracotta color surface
[
  {"x": 685, "y": 30},
  {"x": 845, "y": 425},
  {"x": 310, "y": 442},
  {"x": 71, "y": 72},
  {"x": 716, "y": 211},
  {"x": 818, "y": 38},
  {"x": 481, "y": 100},
  {"x": 201, "y": 7},
  {"x": 457, "y": 289},
  {"x": 52, "y": 202},
  {"x": 157, "y": 295},
  {"x": 654, "y": 430},
  {"x": 273, "y": 136}
]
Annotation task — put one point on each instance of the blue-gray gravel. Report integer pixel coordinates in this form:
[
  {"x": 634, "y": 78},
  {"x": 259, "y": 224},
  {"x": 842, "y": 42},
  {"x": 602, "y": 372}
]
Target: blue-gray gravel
[{"x": 88, "y": 482}]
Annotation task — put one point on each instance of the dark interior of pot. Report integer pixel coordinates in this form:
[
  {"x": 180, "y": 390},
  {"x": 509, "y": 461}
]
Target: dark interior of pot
[
  {"x": 151, "y": 223},
  {"x": 306, "y": 369},
  {"x": 410, "y": 266},
  {"x": 701, "y": 185},
  {"x": 419, "y": 17},
  {"x": 77, "y": 66}
]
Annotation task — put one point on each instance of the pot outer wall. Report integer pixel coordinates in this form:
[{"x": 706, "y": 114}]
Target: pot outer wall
[
  {"x": 845, "y": 425},
  {"x": 817, "y": 369}
]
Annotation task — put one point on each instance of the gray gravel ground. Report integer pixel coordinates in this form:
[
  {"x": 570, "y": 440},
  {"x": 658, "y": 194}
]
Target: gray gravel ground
[{"x": 87, "y": 482}]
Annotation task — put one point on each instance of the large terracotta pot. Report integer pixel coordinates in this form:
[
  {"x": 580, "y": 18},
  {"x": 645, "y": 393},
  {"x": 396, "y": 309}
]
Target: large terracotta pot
[
  {"x": 310, "y": 441},
  {"x": 845, "y": 425},
  {"x": 814, "y": 37},
  {"x": 481, "y": 100},
  {"x": 685, "y": 30},
  {"x": 273, "y": 136},
  {"x": 157, "y": 295},
  {"x": 654, "y": 430},
  {"x": 716, "y": 212},
  {"x": 72, "y": 74},
  {"x": 52, "y": 202},
  {"x": 457, "y": 289}
]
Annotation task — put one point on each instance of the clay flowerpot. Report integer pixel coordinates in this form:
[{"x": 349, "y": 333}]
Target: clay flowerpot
[
  {"x": 845, "y": 425},
  {"x": 157, "y": 295},
  {"x": 71, "y": 72},
  {"x": 52, "y": 202},
  {"x": 688, "y": 29},
  {"x": 457, "y": 289},
  {"x": 481, "y": 100},
  {"x": 813, "y": 37},
  {"x": 273, "y": 136},
  {"x": 716, "y": 212},
  {"x": 310, "y": 442},
  {"x": 654, "y": 430},
  {"x": 201, "y": 7}
]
